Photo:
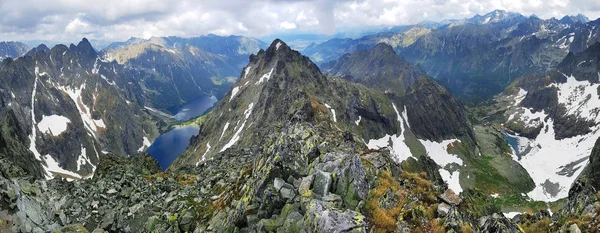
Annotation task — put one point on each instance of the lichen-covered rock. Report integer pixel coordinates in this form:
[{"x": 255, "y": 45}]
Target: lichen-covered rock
[
  {"x": 322, "y": 183},
  {"x": 321, "y": 218},
  {"x": 498, "y": 223}
]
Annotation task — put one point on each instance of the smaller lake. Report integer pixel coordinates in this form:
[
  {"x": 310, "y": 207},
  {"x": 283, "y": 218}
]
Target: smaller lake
[
  {"x": 195, "y": 108},
  {"x": 512, "y": 141},
  {"x": 168, "y": 146}
]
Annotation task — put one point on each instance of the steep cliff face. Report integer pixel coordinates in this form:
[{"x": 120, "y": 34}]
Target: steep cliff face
[{"x": 67, "y": 107}]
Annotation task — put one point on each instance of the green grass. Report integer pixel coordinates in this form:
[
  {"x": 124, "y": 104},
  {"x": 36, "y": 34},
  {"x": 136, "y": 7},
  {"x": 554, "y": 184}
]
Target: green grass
[
  {"x": 222, "y": 80},
  {"x": 518, "y": 203}
]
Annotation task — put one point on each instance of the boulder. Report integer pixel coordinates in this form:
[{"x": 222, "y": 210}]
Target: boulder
[
  {"x": 443, "y": 209},
  {"x": 450, "y": 197},
  {"x": 498, "y": 223},
  {"x": 319, "y": 217},
  {"x": 574, "y": 229},
  {"x": 322, "y": 183},
  {"x": 304, "y": 187}
]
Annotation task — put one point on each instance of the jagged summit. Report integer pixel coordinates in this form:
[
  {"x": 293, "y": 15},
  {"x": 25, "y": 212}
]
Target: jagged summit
[
  {"x": 379, "y": 68},
  {"x": 280, "y": 87},
  {"x": 42, "y": 48}
]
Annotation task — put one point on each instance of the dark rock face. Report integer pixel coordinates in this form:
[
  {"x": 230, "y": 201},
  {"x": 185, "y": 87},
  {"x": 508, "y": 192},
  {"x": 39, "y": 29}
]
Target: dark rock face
[
  {"x": 12, "y": 49},
  {"x": 435, "y": 113},
  {"x": 592, "y": 172},
  {"x": 98, "y": 104},
  {"x": 379, "y": 68}
]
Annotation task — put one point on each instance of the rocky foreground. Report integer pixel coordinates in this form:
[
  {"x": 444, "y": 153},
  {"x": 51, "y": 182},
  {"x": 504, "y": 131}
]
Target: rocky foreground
[{"x": 343, "y": 189}]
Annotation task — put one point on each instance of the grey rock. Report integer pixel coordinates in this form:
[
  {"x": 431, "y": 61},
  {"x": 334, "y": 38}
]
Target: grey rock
[
  {"x": 287, "y": 193},
  {"x": 499, "y": 223},
  {"x": 331, "y": 198},
  {"x": 322, "y": 183},
  {"x": 450, "y": 197},
  {"x": 278, "y": 183},
  {"x": 305, "y": 184},
  {"x": 293, "y": 223},
  {"x": 443, "y": 209},
  {"x": 322, "y": 218},
  {"x": 574, "y": 229}
]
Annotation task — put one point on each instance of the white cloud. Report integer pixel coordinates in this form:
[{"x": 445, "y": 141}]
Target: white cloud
[
  {"x": 287, "y": 25},
  {"x": 69, "y": 20},
  {"x": 77, "y": 26}
]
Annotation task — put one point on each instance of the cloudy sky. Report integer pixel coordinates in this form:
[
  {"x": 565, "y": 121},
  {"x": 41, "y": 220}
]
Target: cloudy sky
[{"x": 117, "y": 20}]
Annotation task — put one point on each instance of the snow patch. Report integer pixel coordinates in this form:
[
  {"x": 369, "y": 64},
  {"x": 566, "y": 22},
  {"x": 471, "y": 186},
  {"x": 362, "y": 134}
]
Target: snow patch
[
  {"x": 96, "y": 68},
  {"x": 246, "y": 71},
  {"x": 358, "y": 121},
  {"x": 332, "y": 111},
  {"x": 552, "y": 162},
  {"x": 107, "y": 81},
  {"x": 204, "y": 155},
  {"x": 486, "y": 20},
  {"x": 405, "y": 115},
  {"x": 224, "y": 129},
  {"x": 236, "y": 136},
  {"x": 580, "y": 98},
  {"x": 100, "y": 123},
  {"x": 438, "y": 151},
  {"x": 33, "y": 135},
  {"x": 277, "y": 45},
  {"x": 396, "y": 143},
  {"x": 265, "y": 77},
  {"x": 53, "y": 124},
  {"x": 84, "y": 111},
  {"x": 234, "y": 92},
  {"x": 54, "y": 167},
  {"x": 145, "y": 144},
  {"x": 511, "y": 214},
  {"x": 83, "y": 159},
  {"x": 452, "y": 179}
]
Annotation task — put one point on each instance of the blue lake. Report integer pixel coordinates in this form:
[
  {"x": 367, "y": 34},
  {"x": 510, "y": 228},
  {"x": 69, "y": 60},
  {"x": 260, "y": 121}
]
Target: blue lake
[
  {"x": 512, "y": 141},
  {"x": 168, "y": 146},
  {"x": 194, "y": 108}
]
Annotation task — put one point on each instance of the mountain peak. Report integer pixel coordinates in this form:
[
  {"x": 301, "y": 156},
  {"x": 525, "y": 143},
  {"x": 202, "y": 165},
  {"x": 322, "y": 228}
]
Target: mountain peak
[
  {"x": 383, "y": 48},
  {"x": 380, "y": 68},
  {"x": 277, "y": 44},
  {"x": 575, "y": 19},
  {"x": 85, "y": 47}
]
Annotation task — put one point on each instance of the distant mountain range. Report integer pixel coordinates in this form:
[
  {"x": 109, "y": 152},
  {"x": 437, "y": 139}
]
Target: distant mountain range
[
  {"x": 188, "y": 67},
  {"x": 12, "y": 49},
  {"x": 477, "y": 58}
]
